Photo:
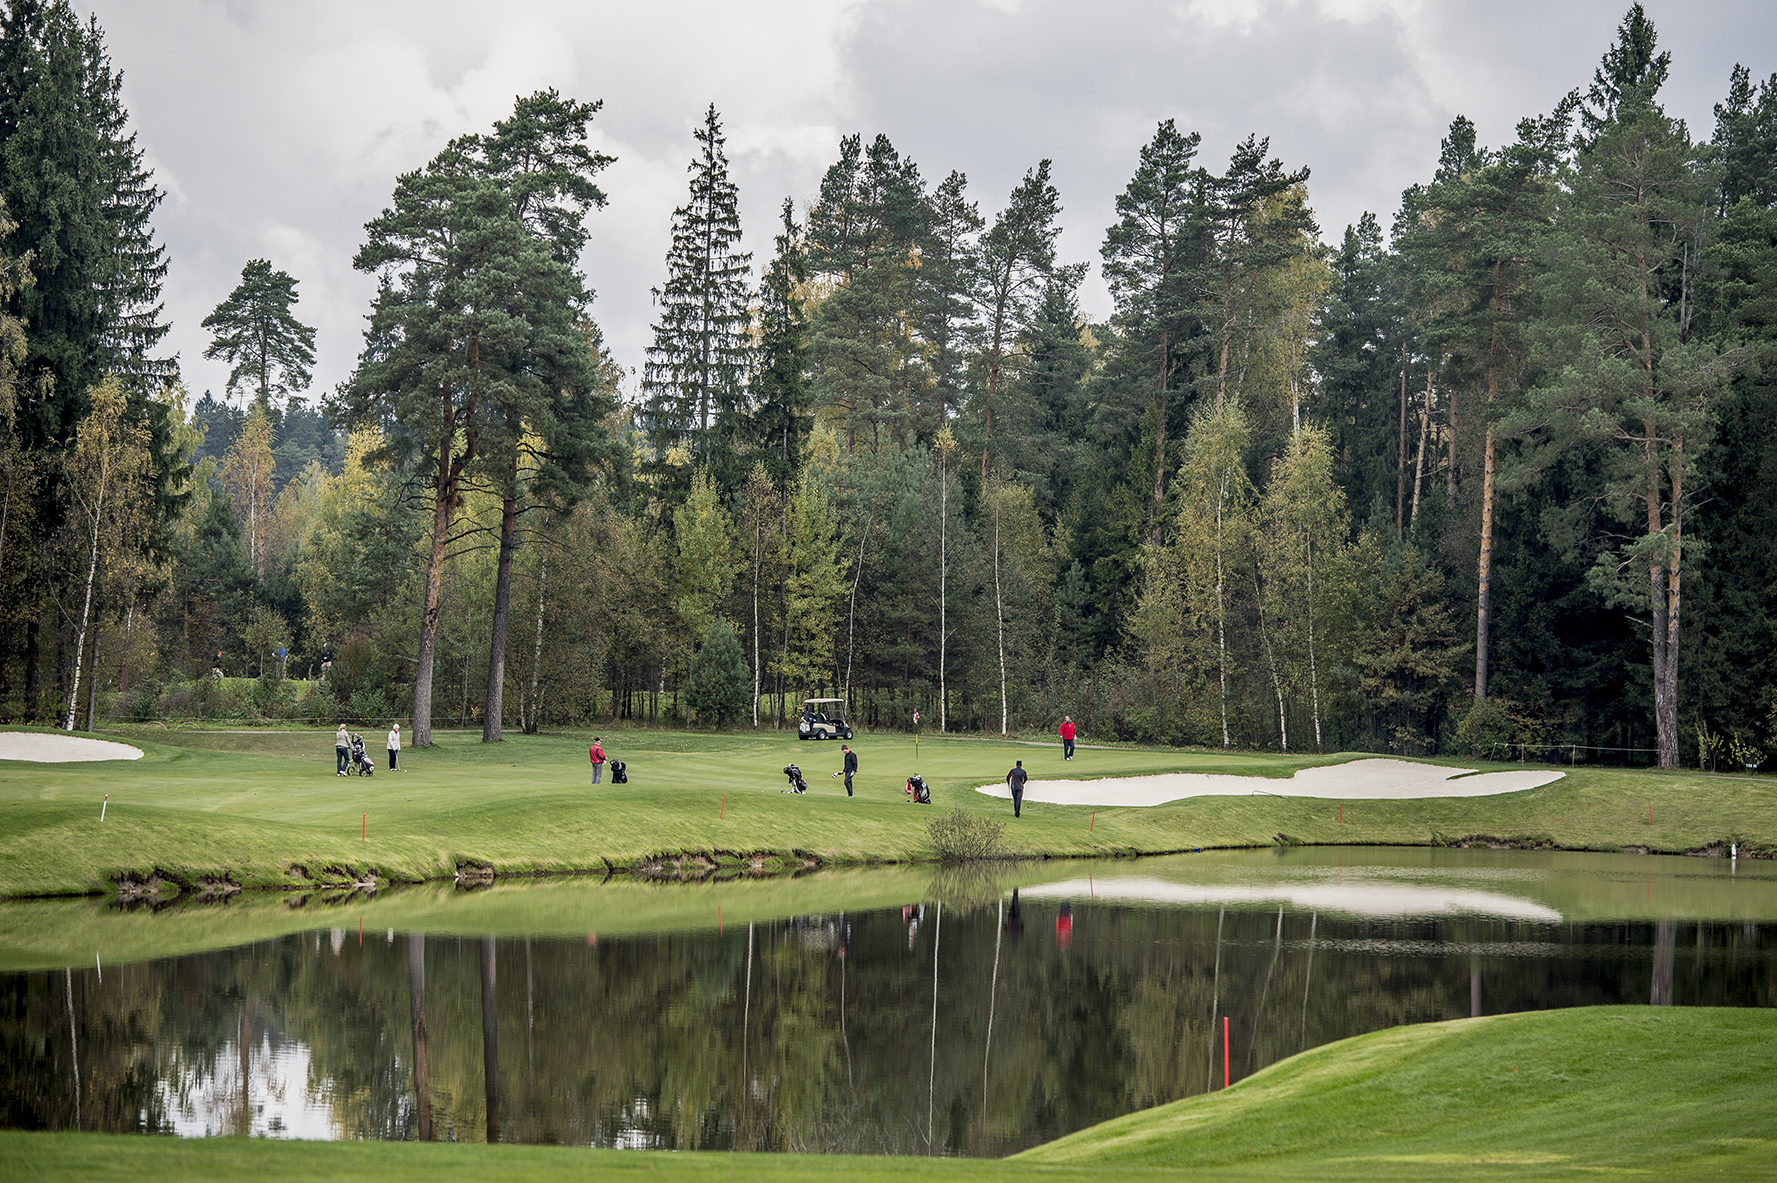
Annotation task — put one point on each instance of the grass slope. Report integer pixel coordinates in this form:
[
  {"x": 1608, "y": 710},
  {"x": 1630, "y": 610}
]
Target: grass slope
[
  {"x": 253, "y": 806},
  {"x": 1669, "y": 1093},
  {"x": 1647, "y": 1091}
]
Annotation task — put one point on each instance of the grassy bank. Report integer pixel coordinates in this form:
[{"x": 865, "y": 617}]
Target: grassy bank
[
  {"x": 1650, "y": 1091},
  {"x": 263, "y": 809},
  {"x": 1579, "y": 888}
]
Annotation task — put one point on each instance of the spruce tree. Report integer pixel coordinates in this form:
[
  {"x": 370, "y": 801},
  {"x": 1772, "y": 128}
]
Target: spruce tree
[
  {"x": 780, "y": 380},
  {"x": 695, "y": 380},
  {"x": 255, "y": 331},
  {"x": 75, "y": 183}
]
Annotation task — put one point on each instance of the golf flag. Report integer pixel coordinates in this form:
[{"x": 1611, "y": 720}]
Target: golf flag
[{"x": 916, "y": 718}]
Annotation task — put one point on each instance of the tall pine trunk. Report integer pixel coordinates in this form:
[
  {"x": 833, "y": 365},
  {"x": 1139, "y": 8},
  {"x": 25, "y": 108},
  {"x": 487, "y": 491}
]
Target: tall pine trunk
[
  {"x": 445, "y": 483},
  {"x": 532, "y": 710},
  {"x": 496, "y": 657},
  {"x": 999, "y": 615}
]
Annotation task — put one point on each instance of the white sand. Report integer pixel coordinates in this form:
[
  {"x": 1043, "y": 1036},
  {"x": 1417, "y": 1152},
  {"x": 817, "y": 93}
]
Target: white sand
[
  {"x": 1392, "y": 780},
  {"x": 61, "y": 749}
]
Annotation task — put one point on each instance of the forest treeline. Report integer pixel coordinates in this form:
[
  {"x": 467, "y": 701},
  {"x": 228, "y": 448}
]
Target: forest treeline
[{"x": 1500, "y": 475}]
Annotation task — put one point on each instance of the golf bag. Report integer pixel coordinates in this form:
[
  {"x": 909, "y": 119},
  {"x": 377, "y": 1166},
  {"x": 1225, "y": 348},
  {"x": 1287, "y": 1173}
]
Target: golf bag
[
  {"x": 361, "y": 762},
  {"x": 916, "y": 788},
  {"x": 797, "y": 784},
  {"x": 619, "y": 772}
]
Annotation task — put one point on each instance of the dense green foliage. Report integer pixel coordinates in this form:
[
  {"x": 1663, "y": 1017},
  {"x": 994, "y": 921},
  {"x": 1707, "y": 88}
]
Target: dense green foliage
[{"x": 1512, "y": 459}]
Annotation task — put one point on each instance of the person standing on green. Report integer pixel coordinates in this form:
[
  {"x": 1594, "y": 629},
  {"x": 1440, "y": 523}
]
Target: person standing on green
[
  {"x": 597, "y": 753},
  {"x": 342, "y": 743},
  {"x": 851, "y": 766},
  {"x": 1016, "y": 779}
]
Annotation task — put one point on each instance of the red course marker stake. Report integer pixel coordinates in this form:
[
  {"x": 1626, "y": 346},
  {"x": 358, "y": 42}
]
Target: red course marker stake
[
  {"x": 1093, "y": 822},
  {"x": 1224, "y": 1051},
  {"x": 723, "y": 812}
]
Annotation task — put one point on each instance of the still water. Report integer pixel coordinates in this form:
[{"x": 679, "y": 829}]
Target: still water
[{"x": 984, "y": 1014}]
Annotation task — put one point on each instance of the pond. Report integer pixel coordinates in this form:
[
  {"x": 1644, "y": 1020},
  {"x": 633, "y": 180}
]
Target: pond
[{"x": 898, "y": 1011}]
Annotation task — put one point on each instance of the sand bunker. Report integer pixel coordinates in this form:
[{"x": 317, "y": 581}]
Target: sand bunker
[
  {"x": 61, "y": 749},
  {"x": 1392, "y": 780}
]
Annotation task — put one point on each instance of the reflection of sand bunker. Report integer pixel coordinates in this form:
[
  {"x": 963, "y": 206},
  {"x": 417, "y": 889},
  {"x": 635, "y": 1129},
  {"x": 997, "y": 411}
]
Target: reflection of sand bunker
[
  {"x": 1357, "y": 899},
  {"x": 61, "y": 749},
  {"x": 1358, "y": 780}
]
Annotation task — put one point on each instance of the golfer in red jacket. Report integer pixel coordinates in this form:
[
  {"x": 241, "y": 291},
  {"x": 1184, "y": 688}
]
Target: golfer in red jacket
[
  {"x": 1067, "y": 737},
  {"x": 598, "y": 760}
]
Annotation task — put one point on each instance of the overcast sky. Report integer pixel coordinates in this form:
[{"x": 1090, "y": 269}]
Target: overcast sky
[{"x": 277, "y": 128}]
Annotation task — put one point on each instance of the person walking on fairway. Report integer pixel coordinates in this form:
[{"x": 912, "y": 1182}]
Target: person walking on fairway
[
  {"x": 394, "y": 746},
  {"x": 598, "y": 760},
  {"x": 342, "y": 743},
  {"x": 1016, "y": 779},
  {"x": 851, "y": 766},
  {"x": 1067, "y": 737}
]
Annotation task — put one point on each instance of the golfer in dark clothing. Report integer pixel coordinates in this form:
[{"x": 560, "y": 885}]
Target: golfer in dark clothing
[
  {"x": 1016, "y": 779},
  {"x": 851, "y": 767}
]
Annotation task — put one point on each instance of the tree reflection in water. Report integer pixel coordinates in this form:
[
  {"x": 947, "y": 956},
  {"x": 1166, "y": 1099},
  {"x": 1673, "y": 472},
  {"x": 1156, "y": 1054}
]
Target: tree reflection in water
[{"x": 801, "y": 1035}]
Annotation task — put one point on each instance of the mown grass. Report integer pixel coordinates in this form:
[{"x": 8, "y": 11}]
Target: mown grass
[
  {"x": 252, "y": 806},
  {"x": 1653, "y": 1092},
  {"x": 1664, "y": 1093}
]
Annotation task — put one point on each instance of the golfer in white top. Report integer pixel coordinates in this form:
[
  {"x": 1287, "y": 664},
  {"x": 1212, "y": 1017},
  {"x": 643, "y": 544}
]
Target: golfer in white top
[{"x": 394, "y": 746}]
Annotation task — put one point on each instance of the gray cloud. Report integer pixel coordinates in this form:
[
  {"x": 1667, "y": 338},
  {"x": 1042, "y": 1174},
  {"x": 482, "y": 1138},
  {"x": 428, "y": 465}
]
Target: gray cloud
[{"x": 278, "y": 129}]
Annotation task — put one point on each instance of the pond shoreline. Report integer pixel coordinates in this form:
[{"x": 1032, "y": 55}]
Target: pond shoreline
[{"x": 719, "y": 866}]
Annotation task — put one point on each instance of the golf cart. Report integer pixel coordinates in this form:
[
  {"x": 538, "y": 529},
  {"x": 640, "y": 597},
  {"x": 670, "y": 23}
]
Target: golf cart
[{"x": 817, "y": 724}]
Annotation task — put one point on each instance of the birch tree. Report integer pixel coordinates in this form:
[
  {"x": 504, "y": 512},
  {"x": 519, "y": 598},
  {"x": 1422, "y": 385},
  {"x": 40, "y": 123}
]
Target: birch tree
[{"x": 106, "y": 474}]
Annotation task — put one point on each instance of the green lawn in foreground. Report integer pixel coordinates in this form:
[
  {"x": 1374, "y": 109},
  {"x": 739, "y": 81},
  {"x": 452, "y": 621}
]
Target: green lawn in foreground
[
  {"x": 253, "y": 805},
  {"x": 1656, "y": 1092}
]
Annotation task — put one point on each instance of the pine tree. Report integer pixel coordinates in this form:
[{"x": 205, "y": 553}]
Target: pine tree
[
  {"x": 1251, "y": 233},
  {"x": 943, "y": 298},
  {"x": 255, "y": 331},
  {"x": 549, "y": 419},
  {"x": 477, "y": 336},
  {"x": 1480, "y": 234},
  {"x": 695, "y": 379},
  {"x": 1017, "y": 257},
  {"x": 1161, "y": 232},
  {"x": 863, "y": 235},
  {"x": 1636, "y": 385},
  {"x": 1746, "y": 140}
]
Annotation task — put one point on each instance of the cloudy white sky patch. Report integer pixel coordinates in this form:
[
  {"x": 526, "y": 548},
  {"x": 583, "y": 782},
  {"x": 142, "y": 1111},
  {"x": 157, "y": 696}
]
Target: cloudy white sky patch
[{"x": 278, "y": 129}]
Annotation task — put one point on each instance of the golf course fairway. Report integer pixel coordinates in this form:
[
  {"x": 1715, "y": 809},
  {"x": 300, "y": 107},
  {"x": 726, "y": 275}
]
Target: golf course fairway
[
  {"x": 217, "y": 810},
  {"x": 1651, "y": 1092}
]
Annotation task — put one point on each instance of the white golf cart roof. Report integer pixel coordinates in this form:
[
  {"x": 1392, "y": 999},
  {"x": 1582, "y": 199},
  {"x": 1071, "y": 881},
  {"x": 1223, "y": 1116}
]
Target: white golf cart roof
[{"x": 814, "y": 701}]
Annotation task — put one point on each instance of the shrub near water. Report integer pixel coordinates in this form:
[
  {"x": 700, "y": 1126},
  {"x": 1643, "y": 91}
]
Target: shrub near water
[{"x": 960, "y": 836}]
